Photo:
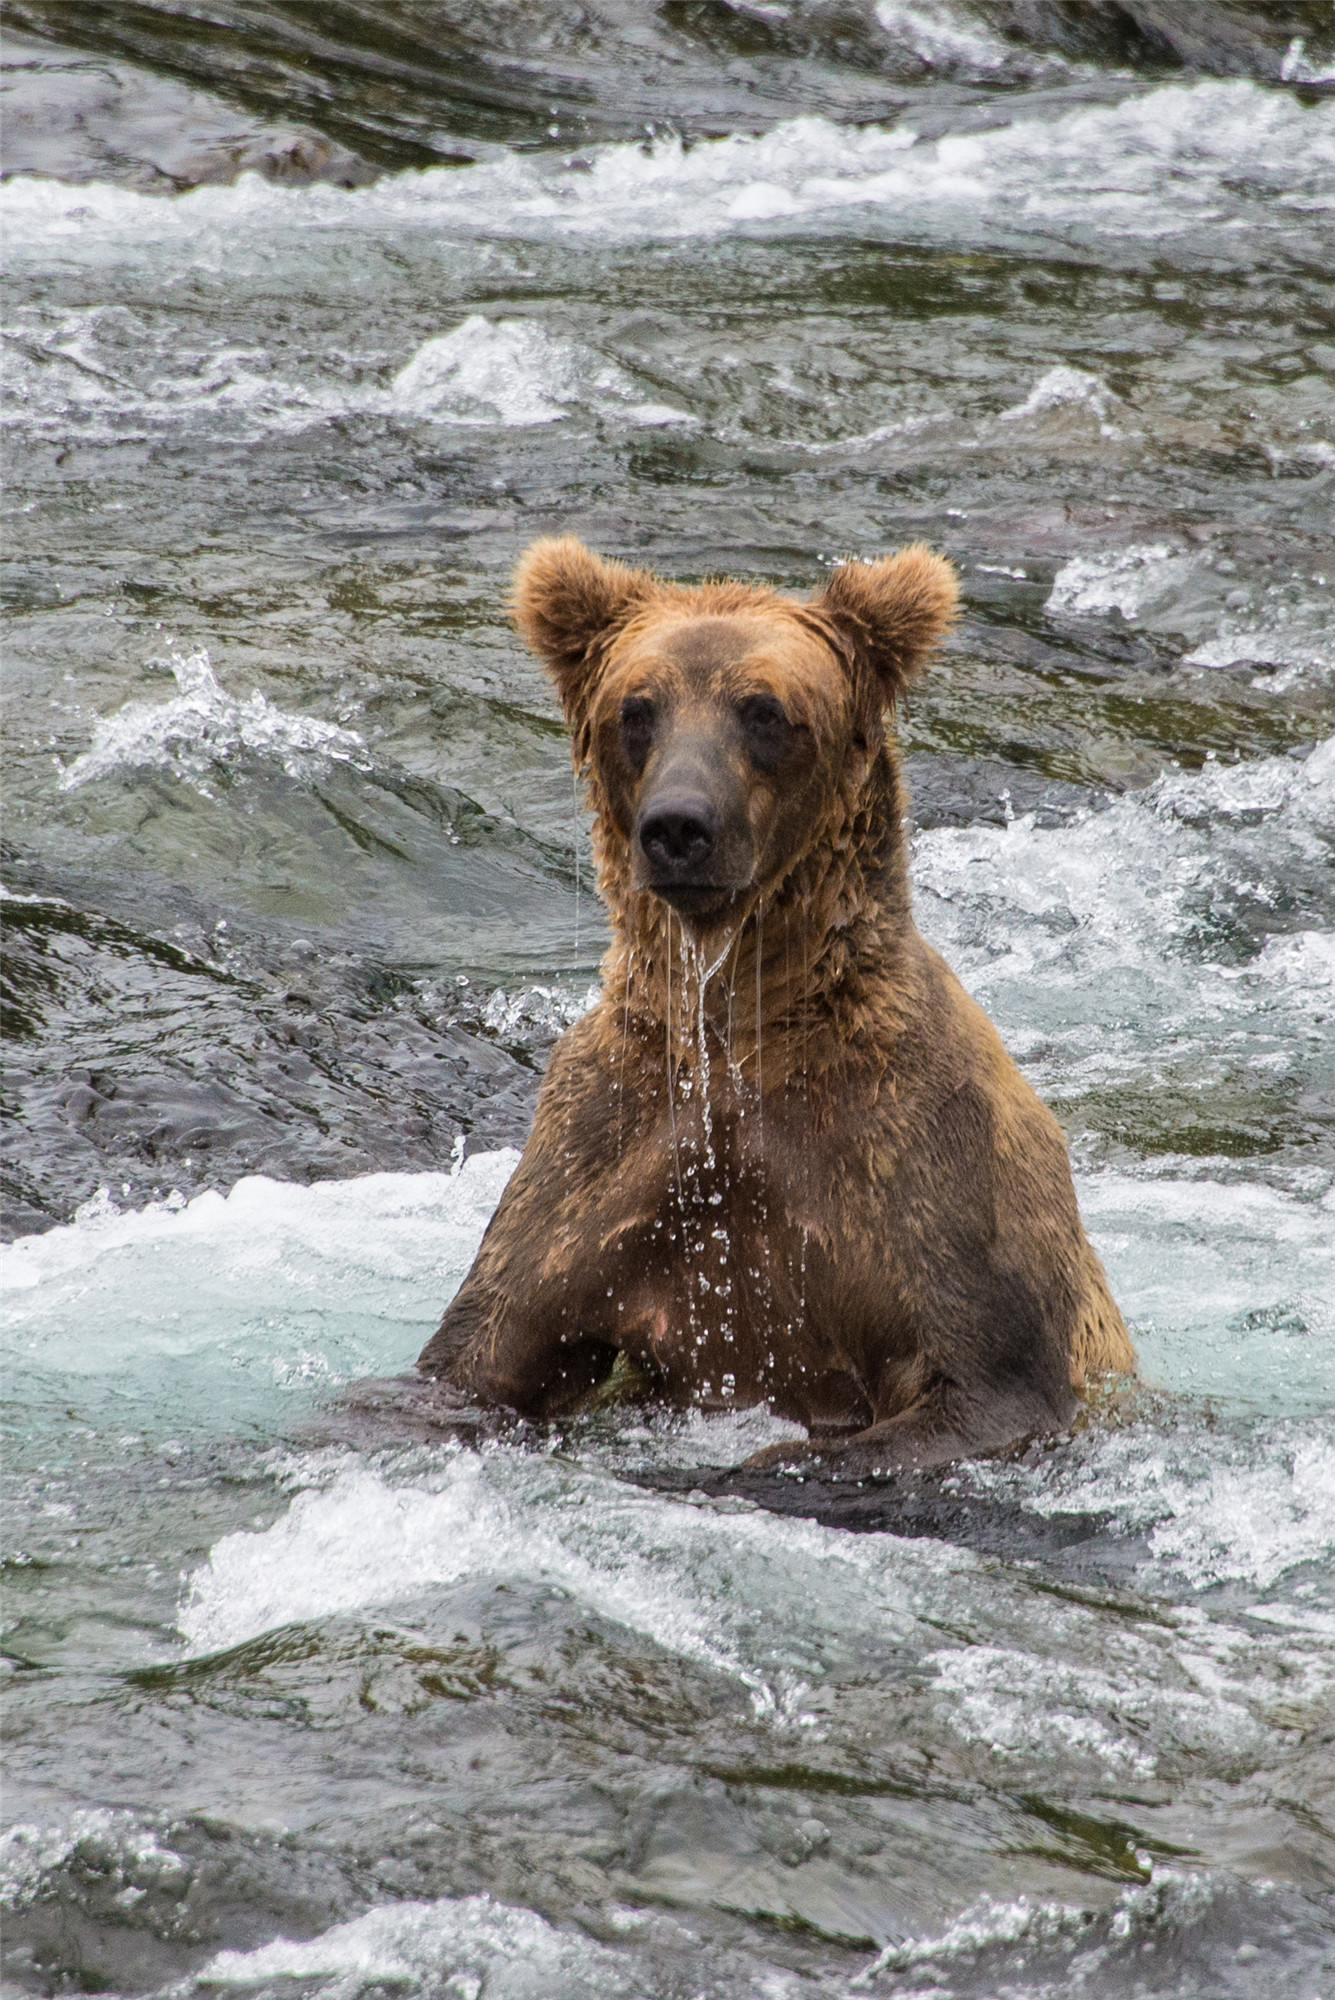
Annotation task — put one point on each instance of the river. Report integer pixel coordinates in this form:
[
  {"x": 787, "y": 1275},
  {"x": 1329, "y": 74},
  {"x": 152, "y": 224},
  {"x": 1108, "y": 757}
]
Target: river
[{"x": 313, "y": 320}]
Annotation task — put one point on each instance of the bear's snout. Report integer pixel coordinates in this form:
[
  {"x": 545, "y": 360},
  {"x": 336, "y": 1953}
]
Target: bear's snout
[
  {"x": 693, "y": 845},
  {"x": 689, "y": 829},
  {"x": 678, "y": 837}
]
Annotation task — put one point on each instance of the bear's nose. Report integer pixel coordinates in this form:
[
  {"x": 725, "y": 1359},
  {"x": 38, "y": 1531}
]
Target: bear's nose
[{"x": 678, "y": 836}]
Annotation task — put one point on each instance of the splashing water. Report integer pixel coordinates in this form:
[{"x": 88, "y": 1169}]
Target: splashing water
[{"x": 204, "y": 731}]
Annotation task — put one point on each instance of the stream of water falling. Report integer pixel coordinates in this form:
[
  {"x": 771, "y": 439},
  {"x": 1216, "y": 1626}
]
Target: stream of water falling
[{"x": 309, "y": 327}]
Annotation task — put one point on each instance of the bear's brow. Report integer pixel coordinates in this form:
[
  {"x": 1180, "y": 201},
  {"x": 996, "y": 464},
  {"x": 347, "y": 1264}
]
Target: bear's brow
[
  {"x": 708, "y": 642},
  {"x": 749, "y": 652}
]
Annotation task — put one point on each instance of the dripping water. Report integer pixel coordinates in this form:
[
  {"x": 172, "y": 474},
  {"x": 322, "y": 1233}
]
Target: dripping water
[
  {"x": 704, "y": 974},
  {"x": 672, "y": 1075},
  {"x": 625, "y": 1040},
  {"x": 575, "y": 828},
  {"x": 760, "y": 1073}
]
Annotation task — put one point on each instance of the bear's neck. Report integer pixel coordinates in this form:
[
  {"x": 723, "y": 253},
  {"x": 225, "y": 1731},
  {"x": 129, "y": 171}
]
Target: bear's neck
[{"x": 801, "y": 968}]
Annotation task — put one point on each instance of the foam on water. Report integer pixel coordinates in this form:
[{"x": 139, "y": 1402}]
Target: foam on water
[
  {"x": 1297, "y": 641},
  {"x": 217, "y": 1314},
  {"x": 514, "y": 372},
  {"x": 1128, "y": 880},
  {"x": 1019, "y": 1706},
  {"x": 1245, "y": 1505},
  {"x": 537, "y": 1010},
  {"x": 466, "y": 1947},
  {"x": 373, "y": 1231},
  {"x": 665, "y": 1569},
  {"x": 1064, "y": 387},
  {"x": 1123, "y": 580},
  {"x": 1110, "y": 949},
  {"x": 204, "y": 731},
  {"x": 457, "y": 1947},
  {"x": 1071, "y": 1942},
  {"x": 1299, "y": 791},
  {"x": 60, "y": 376},
  {"x": 1297, "y": 66},
  {"x": 1219, "y": 1280},
  {"x": 771, "y": 1603},
  {"x": 114, "y": 1845},
  {"x": 1230, "y": 1287},
  {"x": 1153, "y": 166},
  {"x": 1240, "y": 1519},
  {"x": 943, "y": 39},
  {"x": 1277, "y": 623},
  {"x": 506, "y": 372},
  {"x": 1126, "y": 1707}
]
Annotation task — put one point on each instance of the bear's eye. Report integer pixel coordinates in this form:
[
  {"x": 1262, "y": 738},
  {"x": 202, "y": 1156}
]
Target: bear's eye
[
  {"x": 637, "y": 729},
  {"x": 765, "y": 726}
]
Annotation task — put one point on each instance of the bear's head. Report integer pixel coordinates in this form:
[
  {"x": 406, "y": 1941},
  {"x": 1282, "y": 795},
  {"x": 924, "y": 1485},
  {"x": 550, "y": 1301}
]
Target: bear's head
[{"x": 719, "y": 723}]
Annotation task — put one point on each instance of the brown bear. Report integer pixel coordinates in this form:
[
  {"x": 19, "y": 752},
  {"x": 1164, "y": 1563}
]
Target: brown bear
[{"x": 784, "y": 1158}]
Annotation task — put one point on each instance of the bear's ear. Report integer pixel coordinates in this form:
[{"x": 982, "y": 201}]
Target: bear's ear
[
  {"x": 892, "y": 612},
  {"x": 569, "y": 604}
]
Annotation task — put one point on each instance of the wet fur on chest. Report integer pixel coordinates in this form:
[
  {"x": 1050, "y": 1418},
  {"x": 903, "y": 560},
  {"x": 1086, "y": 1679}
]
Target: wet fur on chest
[{"x": 691, "y": 1217}]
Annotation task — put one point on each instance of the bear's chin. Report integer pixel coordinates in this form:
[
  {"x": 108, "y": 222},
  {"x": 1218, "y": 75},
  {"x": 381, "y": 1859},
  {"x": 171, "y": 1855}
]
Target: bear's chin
[{"x": 702, "y": 905}]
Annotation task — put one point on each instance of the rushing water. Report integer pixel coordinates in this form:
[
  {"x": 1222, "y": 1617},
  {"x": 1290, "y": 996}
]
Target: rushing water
[{"x": 305, "y": 1699}]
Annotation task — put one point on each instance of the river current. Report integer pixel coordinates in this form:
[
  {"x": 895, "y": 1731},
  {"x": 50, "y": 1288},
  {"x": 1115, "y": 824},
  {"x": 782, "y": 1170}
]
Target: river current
[{"x": 313, "y": 319}]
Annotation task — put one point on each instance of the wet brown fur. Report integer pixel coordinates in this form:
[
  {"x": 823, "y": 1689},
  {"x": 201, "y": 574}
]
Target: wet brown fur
[{"x": 839, "y": 1196}]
